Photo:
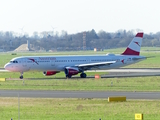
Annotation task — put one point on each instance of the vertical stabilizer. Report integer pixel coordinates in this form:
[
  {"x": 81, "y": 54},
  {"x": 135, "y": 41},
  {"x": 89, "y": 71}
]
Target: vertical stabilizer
[{"x": 134, "y": 46}]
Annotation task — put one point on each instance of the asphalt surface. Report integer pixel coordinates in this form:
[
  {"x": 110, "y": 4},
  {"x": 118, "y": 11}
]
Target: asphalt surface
[
  {"x": 130, "y": 72},
  {"x": 121, "y": 72},
  {"x": 124, "y": 72},
  {"x": 77, "y": 94}
]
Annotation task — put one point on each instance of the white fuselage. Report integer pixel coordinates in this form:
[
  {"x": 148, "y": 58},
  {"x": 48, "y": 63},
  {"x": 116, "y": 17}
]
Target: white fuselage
[{"x": 58, "y": 63}]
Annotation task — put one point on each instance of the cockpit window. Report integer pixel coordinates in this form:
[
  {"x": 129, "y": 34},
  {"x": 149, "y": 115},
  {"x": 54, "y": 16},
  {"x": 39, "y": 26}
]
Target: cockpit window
[{"x": 14, "y": 61}]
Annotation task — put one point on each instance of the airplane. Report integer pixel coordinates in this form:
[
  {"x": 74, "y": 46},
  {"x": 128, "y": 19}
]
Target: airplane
[{"x": 72, "y": 65}]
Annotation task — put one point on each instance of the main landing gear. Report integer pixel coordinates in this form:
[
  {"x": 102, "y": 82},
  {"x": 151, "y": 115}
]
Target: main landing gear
[
  {"x": 21, "y": 77},
  {"x": 68, "y": 76},
  {"x": 83, "y": 75}
]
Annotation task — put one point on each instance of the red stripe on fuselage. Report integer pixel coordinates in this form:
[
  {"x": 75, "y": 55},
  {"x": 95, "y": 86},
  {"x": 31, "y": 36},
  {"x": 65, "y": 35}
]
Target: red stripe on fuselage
[{"x": 129, "y": 51}]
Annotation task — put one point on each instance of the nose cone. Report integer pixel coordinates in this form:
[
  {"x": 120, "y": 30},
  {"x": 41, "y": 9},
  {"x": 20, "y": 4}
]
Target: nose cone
[{"x": 7, "y": 66}]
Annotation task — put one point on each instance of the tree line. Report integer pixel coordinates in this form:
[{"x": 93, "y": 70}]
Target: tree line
[{"x": 63, "y": 41}]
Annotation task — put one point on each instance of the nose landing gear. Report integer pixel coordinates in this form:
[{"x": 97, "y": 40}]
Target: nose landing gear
[{"x": 21, "y": 77}]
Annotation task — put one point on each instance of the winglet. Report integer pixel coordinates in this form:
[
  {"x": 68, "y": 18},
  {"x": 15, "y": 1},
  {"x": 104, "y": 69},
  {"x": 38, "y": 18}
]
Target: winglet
[{"x": 134, "y": 46}]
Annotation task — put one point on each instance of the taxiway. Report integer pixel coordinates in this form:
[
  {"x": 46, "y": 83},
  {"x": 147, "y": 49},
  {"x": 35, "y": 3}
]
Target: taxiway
[{"x": 77, "y": 94}]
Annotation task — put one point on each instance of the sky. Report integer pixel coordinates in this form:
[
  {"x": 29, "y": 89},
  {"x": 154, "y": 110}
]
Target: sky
[{"x": 79, "y": 15}]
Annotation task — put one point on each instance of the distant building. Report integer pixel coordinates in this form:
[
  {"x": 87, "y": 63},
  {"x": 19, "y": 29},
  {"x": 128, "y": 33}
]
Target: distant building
[
  {"x": 28, "y": 43},
  {"x": 25, "y": 47}
]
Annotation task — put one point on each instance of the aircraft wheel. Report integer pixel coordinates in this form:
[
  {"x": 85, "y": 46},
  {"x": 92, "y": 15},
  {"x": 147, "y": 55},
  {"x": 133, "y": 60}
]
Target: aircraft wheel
[
  {"x": 68, "y": 76},
  {"x": 83, "y": 75},
  {"x": 21, "y": 77}
]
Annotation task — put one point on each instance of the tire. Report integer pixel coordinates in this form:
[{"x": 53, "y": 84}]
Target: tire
[
  {"x": 68, "y": 76},
  {"x": 21, "y": 77},
  {"x": 83, "y": 75}
]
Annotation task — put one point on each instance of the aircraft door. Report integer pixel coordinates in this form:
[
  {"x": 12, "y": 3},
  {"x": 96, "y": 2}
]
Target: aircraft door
[
  {"x": 87, "y": 60},
  {"x": 52, "y": 62},
  {"x": 24, "y": 63}
]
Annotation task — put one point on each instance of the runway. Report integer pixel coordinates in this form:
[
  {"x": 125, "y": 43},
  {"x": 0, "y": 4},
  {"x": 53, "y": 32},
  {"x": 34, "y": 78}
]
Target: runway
[
  {"x": 130, "y": 72},
  {"x": 77, "y": 94},
  {"x": 122, "y": 72},
  {"x": 112, "y": 73}
]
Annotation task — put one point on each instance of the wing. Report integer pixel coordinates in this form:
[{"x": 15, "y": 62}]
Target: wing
[{"x": 90, "y": 65}]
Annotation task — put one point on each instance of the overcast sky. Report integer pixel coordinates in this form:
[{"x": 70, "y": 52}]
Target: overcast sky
[{"x": 79, "y": 15}]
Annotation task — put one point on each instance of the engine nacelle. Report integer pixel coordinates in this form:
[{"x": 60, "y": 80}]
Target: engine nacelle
[
  {"x": 71, "y": 71},
  {"x": 49, "y": 73}
]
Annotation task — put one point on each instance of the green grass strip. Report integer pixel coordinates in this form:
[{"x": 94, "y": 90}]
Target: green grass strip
[{"x": 77, "y": 109}]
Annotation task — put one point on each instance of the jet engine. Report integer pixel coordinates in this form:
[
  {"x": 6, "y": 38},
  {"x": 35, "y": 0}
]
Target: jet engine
[
  {"x": 49, "y": 73},
  {"x": 69, "y": 71}
]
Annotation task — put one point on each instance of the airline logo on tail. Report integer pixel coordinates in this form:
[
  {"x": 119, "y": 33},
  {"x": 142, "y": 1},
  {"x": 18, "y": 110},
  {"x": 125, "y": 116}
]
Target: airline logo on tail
[{"x": 135, "y": 45}]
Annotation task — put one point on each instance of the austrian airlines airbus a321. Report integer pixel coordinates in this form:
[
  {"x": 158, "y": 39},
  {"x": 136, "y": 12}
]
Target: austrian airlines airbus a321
[{"x": 72, "y": 65}]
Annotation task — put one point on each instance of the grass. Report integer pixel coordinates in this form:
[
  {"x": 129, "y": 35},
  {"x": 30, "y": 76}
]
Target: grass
[
  {"x": 105, "y": 84},
  {"x": 153, "y": 61},
  {"x": 77, "y": 109}
]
